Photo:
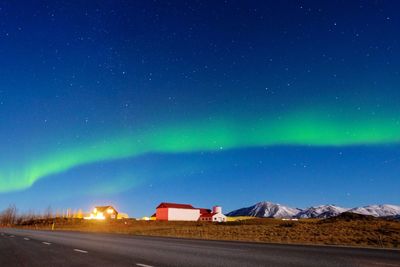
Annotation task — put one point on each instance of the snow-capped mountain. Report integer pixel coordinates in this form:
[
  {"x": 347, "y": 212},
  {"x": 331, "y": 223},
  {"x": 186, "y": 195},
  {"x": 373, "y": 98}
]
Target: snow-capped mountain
[
  {"x": 266, "y": 210},
  {"x": 378, "y": 210},
  {"x": 271, "y": 210},
  {"x": 322, "y": 211}
]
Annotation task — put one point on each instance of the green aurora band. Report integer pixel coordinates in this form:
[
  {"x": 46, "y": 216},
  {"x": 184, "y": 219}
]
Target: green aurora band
[{"x": 215, "y": 135}]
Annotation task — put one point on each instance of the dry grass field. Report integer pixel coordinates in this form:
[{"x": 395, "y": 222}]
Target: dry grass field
[{"x": 347, "y": 229}]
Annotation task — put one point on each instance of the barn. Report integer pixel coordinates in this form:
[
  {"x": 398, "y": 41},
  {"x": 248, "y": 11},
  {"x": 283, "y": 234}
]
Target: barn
[
  {"x": 176, "y": 212},
  {"x": 185, "y": 212}
]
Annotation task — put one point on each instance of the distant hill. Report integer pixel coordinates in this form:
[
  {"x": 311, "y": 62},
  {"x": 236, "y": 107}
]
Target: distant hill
[
  {"x": 397, "y": 217},
  {"x": 350, "y": 216},
  {"x": 267, "y": 209}
]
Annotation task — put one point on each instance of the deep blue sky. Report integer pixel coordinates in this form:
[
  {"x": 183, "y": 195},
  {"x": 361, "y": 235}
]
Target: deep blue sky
[{"x": 76, "y": 76}]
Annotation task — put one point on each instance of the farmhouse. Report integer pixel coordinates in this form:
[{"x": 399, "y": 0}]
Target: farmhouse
[
  {"x": 104, "y": 213},
  {"x": 186, "y": 212}
]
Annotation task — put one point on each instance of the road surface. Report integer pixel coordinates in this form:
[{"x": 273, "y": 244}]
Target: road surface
[{"x": 58, "y": 248}]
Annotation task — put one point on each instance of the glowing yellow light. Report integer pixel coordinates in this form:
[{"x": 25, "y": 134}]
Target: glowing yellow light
[
  {"x": 110, "y": 211},
  {"x": 99, "y": 216},
  {"x": 94, "y": 210}
]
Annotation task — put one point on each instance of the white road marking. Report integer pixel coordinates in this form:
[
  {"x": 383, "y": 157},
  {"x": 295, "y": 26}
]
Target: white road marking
[
  {"x": 80, "y": 250},
  {"x": 46, "y": 243},
  {"x": 143, "y": 265},
  {"x": 26, "y": 238}
]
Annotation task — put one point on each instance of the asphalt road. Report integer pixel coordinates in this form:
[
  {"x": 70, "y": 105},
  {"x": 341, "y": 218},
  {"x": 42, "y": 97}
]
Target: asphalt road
[{"x": 57, "y": 248}]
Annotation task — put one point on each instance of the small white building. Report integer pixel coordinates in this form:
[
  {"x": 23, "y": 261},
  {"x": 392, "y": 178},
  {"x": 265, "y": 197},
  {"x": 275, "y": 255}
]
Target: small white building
[{"x": 214, "y": 216}]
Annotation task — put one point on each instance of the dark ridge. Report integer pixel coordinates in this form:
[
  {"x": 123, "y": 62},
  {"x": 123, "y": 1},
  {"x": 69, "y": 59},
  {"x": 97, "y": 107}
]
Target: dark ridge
[{"x": 350, "y": 216}]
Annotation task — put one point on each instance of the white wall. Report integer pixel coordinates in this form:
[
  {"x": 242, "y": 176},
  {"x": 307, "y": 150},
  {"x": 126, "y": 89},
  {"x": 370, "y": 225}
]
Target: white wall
[
  {"x": 219, "y": 217},
  {"x": 175, "y": 214}
]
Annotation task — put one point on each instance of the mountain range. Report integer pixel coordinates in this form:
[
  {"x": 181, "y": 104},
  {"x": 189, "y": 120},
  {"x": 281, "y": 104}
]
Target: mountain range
[{"x": 267, "y": 209}]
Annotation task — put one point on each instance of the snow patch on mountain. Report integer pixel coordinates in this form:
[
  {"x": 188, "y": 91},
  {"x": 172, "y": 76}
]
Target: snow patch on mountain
[
  {"x": 322, "y": 211},
  {"x": 378, "y": 210}
]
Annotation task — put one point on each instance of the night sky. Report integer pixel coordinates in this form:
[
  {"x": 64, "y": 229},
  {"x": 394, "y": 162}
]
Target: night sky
[{"x": 203, "y": 102}]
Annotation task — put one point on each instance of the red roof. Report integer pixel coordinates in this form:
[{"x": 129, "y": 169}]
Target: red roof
[
  {"x": 207, "y": 215},
  {"x": 175, "y": 205},
  {"x": 203, "y": 211}
]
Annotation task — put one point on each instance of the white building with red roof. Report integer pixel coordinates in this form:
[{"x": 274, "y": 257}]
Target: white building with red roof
[
  {"x": 214, "y": 216},
  {"x": 185, "y": 212}
]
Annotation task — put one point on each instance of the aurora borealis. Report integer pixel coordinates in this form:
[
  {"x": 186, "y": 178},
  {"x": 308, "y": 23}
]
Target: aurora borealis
[
  {"x": 211, "y": 137},
  {"x": 132, "y": 100}
]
